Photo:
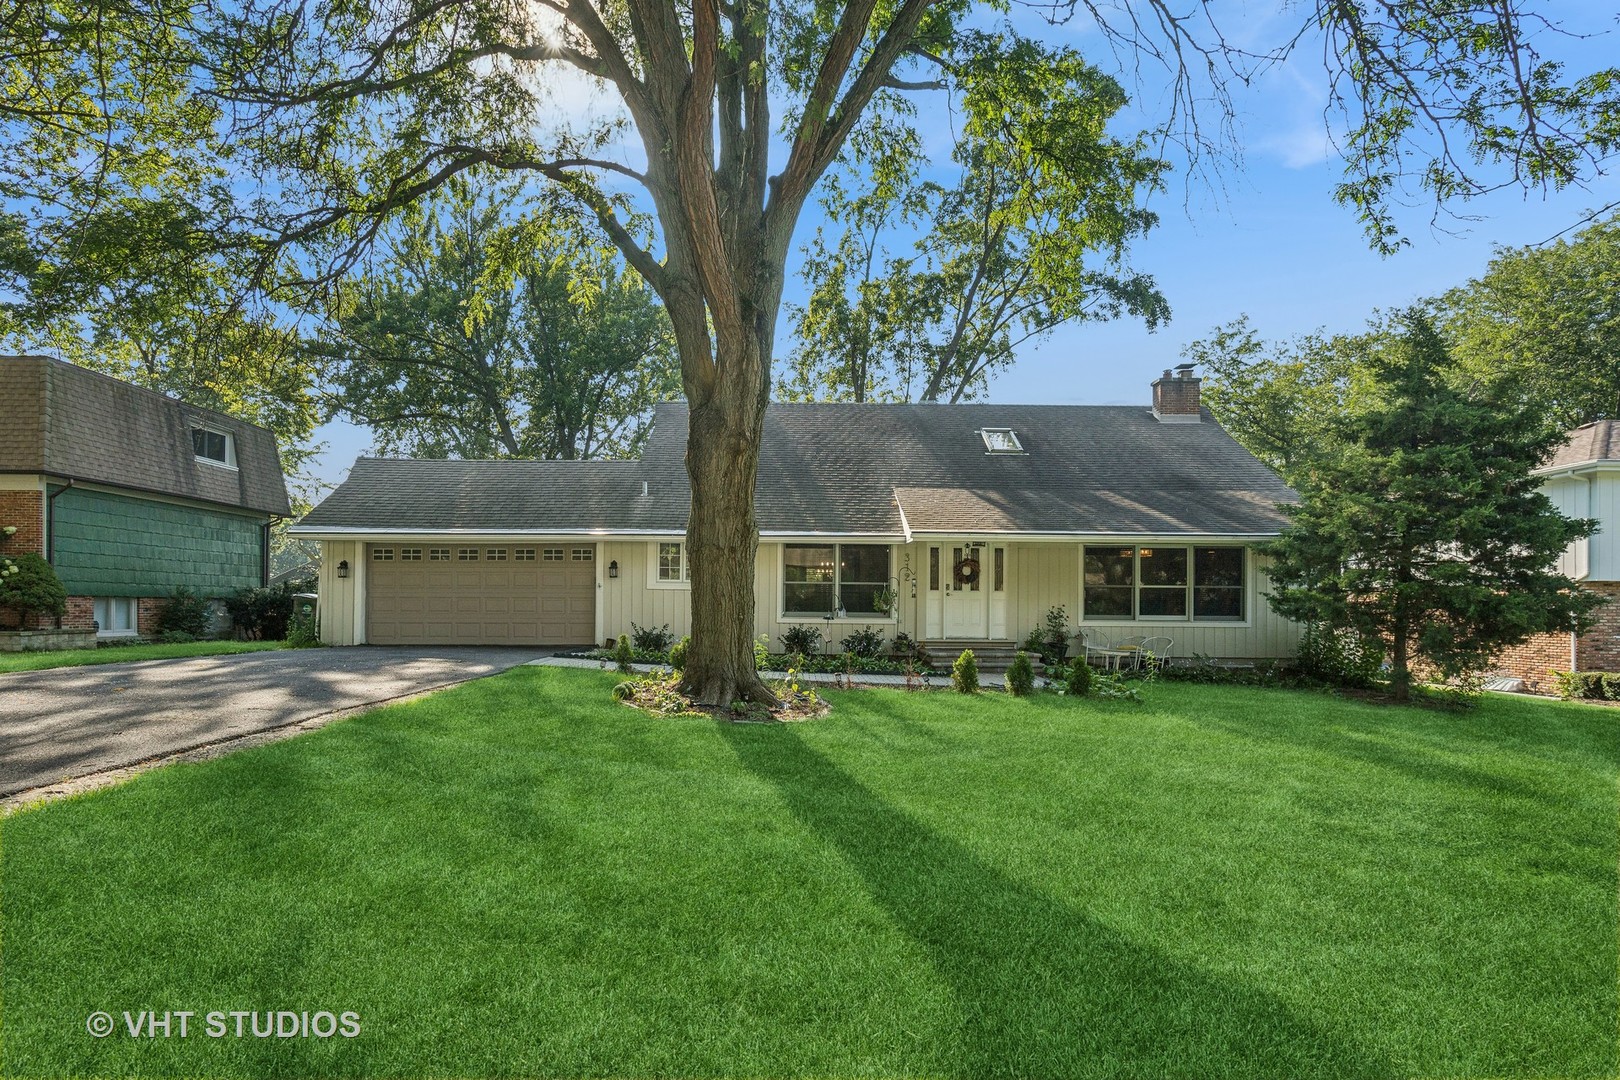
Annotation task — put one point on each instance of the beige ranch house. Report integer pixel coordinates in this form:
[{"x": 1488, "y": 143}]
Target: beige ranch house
[{"x": 956, "y": 524}]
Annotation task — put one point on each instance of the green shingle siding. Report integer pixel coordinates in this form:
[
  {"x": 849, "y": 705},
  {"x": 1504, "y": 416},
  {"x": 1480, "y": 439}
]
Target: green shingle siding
[{"x": 112, "y": 545}]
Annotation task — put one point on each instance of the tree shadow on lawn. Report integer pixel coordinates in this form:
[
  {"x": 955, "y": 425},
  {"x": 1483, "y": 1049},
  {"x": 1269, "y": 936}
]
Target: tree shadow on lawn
[
  {"x": 1042, "y": 989},
  {"x": 1421, "y": 746}
]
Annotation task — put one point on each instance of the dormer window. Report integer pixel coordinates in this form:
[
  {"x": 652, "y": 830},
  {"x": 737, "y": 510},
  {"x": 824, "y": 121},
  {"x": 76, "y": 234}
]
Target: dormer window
[
  {"x": 1001, "y": 440},
  {"x": 213, "y": 447}
]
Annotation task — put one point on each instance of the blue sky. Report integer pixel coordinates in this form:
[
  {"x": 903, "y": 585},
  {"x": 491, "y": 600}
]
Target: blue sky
[{"x": 1266, "y": 240}]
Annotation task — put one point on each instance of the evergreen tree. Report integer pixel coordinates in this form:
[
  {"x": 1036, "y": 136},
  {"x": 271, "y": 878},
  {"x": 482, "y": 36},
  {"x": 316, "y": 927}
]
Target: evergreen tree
[{"x": 1426, "y": 528}]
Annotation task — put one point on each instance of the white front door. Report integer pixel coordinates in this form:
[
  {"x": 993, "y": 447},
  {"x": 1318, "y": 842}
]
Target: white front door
[{"x": 967, "y": 610}]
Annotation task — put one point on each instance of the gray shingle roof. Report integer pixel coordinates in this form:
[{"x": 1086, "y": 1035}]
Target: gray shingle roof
[
  {"x": 483, "y": 496},
  {"x": 1597, "y": 441},
  {"x": 69, "y": 421},
  {"x": 847, "y": 468}
]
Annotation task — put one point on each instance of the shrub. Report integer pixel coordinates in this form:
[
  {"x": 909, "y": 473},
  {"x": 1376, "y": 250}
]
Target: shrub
[
  {"x": 623, "y": 656},
  {"x": 1035, "y": 644},
  {"x": 965, "y": 673},
  {"x": 261, "y": 614},
  {"x": 1078, "y": 679},
  {"x": 762, "y": 655},
  {"x": 1050, "y": 640},
  {"x": 1611, "y": 687},
  {"x": 1205, "y": 669},
  {"x": 677, "y": 653},
  {"x": 908, "y": 650},
  {"x": 863, "y": 643},
  {"x": 185, "y": 613},
  {"x": 1339, "y": 657},
  {"x": 1581, "y": 685},
  {"x": 624, "y": 691},
  {"x": 1055, "y": 634},
  {"x": 652, "y": 638},
  {"x": 29, "y": 586},
  {"x": 838, "y": 664},
  {"x": 1021, "y": 676},
  {"x": 175, "y": 637},
  {"x": 801, "y": 640},
  {"x": 304, "y": 632}
]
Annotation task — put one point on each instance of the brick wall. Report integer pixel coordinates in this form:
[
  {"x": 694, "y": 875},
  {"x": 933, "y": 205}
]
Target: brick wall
[
  {"x": 81, "y": 613},
  {"x": 1599, "y": 647},
  {"x": 25, "y": 510},
  {"x": 147, "y": 609},
  {"x": 1535, "y": 660},
  {"x": 1596, "y": 650}
]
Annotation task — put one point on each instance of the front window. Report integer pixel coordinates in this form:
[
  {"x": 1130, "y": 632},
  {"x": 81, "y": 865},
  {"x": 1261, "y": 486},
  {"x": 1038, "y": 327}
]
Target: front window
[
  {"x": 822, "y": 578},
  {"x": 1173, "y": 582},
  {"x": 115, "y": 616}
]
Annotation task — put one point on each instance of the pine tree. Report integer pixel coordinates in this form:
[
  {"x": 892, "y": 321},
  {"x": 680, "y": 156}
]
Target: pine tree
[{"x": 1424, "y": 526}]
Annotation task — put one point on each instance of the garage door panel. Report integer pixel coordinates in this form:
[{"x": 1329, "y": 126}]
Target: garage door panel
[{"x": 481, "y": 600}]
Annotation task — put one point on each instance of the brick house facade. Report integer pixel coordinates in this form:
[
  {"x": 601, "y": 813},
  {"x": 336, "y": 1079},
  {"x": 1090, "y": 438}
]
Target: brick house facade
[
  {"x": 1583, "y": 481},
  {"x": 130, "y": 494},
  {"x": 1596, "y": 650}
]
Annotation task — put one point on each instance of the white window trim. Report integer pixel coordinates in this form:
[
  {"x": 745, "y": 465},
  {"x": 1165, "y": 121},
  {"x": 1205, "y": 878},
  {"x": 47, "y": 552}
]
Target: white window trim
[
  {"x": 860, "y": 618},
  {"x": 653, "y": 581},
  {"x": 1250, "y": 589},
  {"x": 1017, "y": 446},
  {"x": 230, "y": 448},
  {"x": 134, "y": 617}
]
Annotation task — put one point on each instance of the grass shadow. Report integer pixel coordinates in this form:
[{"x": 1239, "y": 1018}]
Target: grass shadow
[{"x": 1042, "y": 989}]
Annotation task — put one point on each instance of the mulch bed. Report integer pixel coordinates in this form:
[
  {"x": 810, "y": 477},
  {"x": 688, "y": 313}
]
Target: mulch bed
[{"x": 662, "y": 697}]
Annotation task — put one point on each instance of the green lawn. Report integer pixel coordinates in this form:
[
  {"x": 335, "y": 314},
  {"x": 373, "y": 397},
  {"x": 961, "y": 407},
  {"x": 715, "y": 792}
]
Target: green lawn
[
  {"x": 119, "y": 654},
  {"x": 520, "y": 878}
]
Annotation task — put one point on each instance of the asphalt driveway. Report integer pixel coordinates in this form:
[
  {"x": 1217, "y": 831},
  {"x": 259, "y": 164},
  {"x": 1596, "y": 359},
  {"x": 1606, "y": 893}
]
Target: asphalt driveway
[{"x": 66, "y": 723}]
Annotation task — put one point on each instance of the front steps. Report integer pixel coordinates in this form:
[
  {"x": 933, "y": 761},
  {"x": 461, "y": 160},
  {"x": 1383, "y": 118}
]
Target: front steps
[{"x": 994, "y": 657}]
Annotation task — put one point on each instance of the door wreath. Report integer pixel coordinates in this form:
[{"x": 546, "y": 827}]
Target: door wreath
[{"x": 967, "y": 571}]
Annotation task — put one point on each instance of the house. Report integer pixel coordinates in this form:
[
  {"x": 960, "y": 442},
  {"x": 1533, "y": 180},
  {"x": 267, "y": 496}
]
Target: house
[
  {"x": 974, "y": 519},
  {"x": 1582, "y": 478},
  {"x": 129, "y": 493}
]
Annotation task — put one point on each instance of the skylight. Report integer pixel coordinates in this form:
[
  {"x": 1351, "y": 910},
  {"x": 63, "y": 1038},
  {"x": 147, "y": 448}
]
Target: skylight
[{"x": 1001, "y": 440}]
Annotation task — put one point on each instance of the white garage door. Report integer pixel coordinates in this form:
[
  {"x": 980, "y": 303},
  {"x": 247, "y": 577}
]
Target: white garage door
[{"x": 485, "y": 595}]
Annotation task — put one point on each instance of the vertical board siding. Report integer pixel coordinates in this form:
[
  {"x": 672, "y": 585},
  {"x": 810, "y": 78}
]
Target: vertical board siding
[
  {"x": 1571, "y": 496},
  {"x": 113, "y": 545},
  {"x": 339, "y": 598},
  {"x": 629, "y": 598},
  {"x": 1604, "y": 545},
  {"x": 1043, "y": 576}
]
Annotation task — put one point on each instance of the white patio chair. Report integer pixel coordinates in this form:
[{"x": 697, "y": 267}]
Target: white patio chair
[
  {"x": 1099, "y": 650},
  {"x": 1153, "y": 650}
]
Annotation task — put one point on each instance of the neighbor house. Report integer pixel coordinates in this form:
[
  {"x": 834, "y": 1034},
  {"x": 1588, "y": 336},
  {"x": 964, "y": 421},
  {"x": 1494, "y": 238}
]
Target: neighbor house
[
  {"x": 950, "y": 523},
  {"x": 1582, "y": 479},
  {"x": 129, "y": 493}
]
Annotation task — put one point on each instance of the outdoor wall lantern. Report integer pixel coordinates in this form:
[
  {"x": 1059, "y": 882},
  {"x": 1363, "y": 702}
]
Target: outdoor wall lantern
[
  {"x": 343, "y": 568},
  {"x": 613, "y": 568}
]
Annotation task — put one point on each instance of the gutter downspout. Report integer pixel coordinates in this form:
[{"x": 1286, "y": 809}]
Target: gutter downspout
[
  {"x": 264, "y": 549},
  {"x": 50, "y": 521}
]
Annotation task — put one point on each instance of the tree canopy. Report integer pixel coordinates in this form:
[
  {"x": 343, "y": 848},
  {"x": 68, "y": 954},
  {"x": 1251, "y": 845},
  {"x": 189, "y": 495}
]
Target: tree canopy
[
  {"x": 1030, "y": 234},
  {"x": 487, "y": 330},
  {"x": 1539, "y": 330},
  {"x": 1544, "y": 323},
  {"x": 1424, "y": 526}
]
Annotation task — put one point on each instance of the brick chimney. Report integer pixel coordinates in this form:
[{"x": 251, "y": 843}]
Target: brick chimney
[{"x": 1175, "y": 397}]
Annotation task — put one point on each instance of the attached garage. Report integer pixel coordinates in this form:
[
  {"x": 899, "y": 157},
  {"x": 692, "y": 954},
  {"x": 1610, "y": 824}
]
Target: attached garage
[{"x": 483, "y": 595}]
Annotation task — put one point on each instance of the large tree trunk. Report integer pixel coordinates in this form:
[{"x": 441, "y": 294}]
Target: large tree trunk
[{"x": 722, "y": 457}]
